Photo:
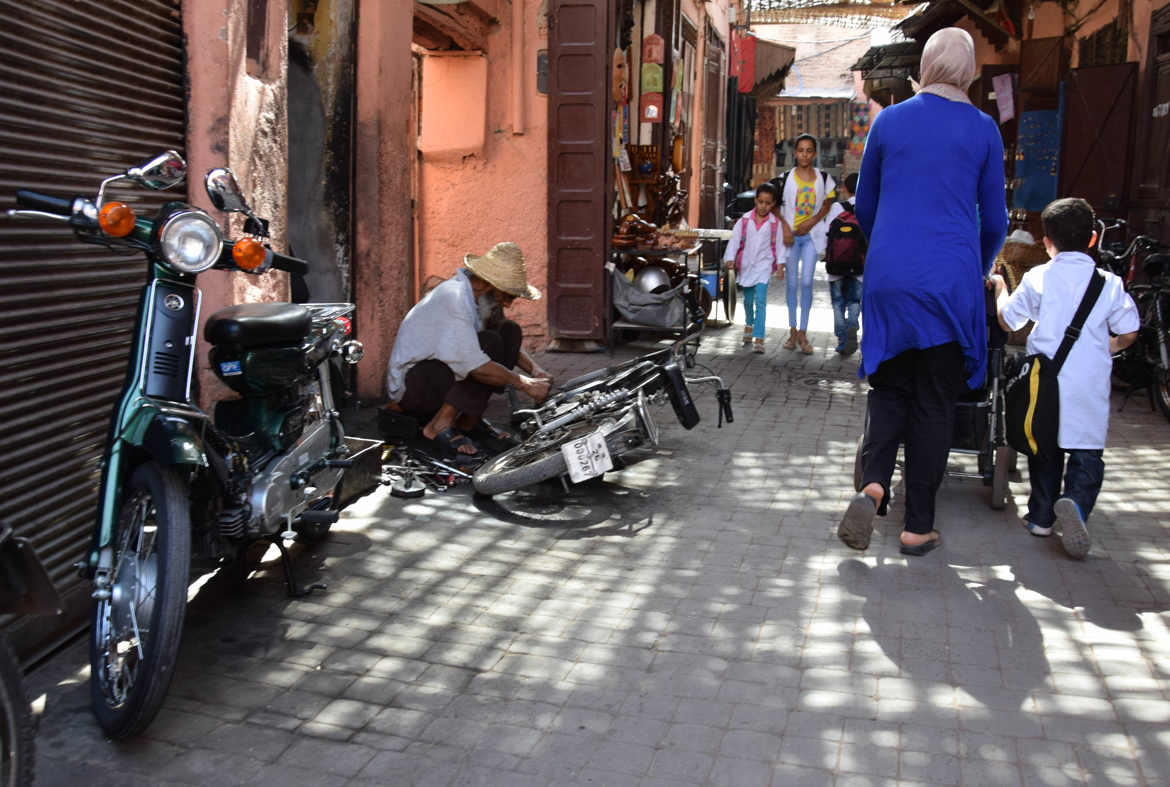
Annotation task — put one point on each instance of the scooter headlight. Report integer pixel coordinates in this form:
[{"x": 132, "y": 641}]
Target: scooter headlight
[{"x": 190, "y": 241}]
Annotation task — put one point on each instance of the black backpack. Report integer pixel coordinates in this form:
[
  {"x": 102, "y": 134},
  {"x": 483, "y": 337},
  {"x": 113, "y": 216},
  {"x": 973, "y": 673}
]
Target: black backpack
[{"x": 845, "y": 245}]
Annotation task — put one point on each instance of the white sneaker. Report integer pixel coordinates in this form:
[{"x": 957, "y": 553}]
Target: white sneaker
[
  {"x": 1073, "y": 533},
  {"x": 1037, "y": 530}
]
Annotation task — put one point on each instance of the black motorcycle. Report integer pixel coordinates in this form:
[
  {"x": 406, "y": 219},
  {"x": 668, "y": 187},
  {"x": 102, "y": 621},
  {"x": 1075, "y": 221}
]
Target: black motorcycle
[{"x": 179, "y": 484}]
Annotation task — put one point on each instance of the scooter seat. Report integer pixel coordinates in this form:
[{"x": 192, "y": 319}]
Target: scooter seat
[{"x": 258, "y": 325}]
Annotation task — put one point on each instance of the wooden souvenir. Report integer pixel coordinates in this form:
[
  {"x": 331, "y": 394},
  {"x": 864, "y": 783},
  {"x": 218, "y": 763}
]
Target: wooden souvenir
[{"x": 653, "y": 49}]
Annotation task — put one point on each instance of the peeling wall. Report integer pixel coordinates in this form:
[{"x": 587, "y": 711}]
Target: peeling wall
[
  {"x": 320, "y": 106},
  {"x": 236, "y": 119},
  {"x": 470, "y": 203}
]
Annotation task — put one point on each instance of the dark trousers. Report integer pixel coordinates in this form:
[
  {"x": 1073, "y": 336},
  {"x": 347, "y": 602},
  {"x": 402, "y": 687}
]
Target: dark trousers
[
  {"x": 1082, "y": 482},
  {"x": 912, "y": 401},
  {"x": 430, "y": 384}
]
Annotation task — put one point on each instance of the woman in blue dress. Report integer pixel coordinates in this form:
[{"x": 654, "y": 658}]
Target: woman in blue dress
[{"x": 930, "y": 198}]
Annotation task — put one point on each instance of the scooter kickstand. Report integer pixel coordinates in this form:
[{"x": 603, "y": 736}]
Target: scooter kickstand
[{"x": 290, "y": 582}]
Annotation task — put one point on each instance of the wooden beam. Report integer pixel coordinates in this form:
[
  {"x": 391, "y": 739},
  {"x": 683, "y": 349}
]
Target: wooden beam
[{"x": 468, "y": 29}]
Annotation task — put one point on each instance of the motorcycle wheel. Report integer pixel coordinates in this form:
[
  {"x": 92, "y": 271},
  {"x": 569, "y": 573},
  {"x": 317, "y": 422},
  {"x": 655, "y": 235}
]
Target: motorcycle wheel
[
  {"x": 17, "y": 727},
  {"x": 535, "y": 460},
  {"x": 134, "y": 639}
]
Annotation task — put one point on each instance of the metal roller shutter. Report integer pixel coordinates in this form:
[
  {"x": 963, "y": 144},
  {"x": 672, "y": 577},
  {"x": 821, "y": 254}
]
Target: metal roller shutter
[{"x": 88, "y": 89}]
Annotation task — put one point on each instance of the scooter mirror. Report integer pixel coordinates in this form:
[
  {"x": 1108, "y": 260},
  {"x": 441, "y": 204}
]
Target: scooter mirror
[
  {"x": 225, "y": 192},
  {"x": 161, "y": 172}
]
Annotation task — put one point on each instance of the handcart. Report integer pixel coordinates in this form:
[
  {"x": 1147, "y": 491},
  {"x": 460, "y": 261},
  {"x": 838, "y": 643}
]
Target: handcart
[{"x": 979, "y": 422}]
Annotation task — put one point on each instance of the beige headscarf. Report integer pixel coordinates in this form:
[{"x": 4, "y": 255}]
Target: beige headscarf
[{"x": 948, "y": 64}]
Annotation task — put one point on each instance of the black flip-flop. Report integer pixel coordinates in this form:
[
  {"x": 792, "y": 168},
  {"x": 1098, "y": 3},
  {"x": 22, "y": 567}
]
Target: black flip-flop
[
  {"x": 450, "y": 440},
  {"x": 487, "y": 432},
  {"x": 921, "y": 549}
]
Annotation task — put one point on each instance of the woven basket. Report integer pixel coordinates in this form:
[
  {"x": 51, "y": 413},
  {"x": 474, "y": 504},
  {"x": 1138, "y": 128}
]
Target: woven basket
[{"x": 1016, "y": 259}]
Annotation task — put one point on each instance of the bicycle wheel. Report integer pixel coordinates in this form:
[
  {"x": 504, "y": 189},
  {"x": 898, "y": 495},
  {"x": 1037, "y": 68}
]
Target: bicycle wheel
[
  {"x": 17, "y": 728},
  {"x": 134, "y": 640},
  {"x": 539, "y": 459}
]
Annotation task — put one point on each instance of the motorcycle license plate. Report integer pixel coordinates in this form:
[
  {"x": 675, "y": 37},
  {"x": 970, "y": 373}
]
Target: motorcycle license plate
[{"x": 587, "y": 457}]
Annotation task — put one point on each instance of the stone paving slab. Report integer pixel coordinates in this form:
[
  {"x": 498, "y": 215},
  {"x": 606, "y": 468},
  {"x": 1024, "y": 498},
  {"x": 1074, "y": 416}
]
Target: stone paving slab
[{"x": 692, "y": 620}]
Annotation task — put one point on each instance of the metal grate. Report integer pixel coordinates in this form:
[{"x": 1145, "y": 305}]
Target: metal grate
[{"x": 89, "y": 89}]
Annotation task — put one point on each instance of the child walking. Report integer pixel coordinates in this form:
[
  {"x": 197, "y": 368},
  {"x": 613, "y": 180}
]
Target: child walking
[
  {"x": 753, "y": 250},
  {"x": 844, "y": 246},
  {"x": 804, "y": 196},
  {"x": 1050, "y": 294}
]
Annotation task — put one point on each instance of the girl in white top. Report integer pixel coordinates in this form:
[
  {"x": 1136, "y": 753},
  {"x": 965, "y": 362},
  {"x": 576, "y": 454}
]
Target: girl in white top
[
  {"x": 805, "y": 199},
  {"x": 753, "y": 250}
]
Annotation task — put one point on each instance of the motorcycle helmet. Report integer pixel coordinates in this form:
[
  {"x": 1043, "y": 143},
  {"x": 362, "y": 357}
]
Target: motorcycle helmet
[{"x": 652, "y": 279}]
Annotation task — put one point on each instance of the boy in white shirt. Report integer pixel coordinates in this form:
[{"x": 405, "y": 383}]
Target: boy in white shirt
[
  {"x": 1050, "y": 295},
  {"x": 753, "y": 250}
]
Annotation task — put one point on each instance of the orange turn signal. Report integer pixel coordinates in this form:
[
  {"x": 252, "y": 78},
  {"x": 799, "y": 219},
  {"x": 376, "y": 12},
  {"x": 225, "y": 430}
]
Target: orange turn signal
[
  {"x": 116, "y": 219},
  {"x": 249, "y": 255}
]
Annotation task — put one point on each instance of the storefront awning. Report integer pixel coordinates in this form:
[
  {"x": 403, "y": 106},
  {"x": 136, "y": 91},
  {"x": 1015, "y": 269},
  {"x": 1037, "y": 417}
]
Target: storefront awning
[{"x": 759, "y": 65}]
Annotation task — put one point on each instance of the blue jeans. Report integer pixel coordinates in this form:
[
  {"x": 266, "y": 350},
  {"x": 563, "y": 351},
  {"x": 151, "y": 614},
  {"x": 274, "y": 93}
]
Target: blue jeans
[
  {"x": 1082, "y": 482},
  {"x": 755, "y": 308},
  {"x": 846, "y": 297},
  {"x": 799, "y": 269}
]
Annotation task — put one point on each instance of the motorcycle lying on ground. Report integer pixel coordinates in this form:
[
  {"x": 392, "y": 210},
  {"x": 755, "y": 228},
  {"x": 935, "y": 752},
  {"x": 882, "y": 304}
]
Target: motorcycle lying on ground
[
  {"x": 595, "y": 419},
  {"x": 179, "y": 484},
  {"x": 25, "y": 589},
  {"x": 1144, "y": 265}
]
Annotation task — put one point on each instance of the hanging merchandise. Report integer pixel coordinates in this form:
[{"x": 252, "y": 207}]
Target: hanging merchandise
[
  {"x": 676, "y": 90},
  {"x": 651, "y": 78},
  {"x": 650, "y": 107},
  {"x": 620, "y": 77},
  {"x": 653, "y": 49}
]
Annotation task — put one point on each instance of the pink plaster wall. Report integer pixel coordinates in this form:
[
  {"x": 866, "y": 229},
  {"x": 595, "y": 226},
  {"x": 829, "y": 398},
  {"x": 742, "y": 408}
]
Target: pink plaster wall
[
  {"x": 236, "y": 119},
  {"x": 453, "y": 125},
  {"x": 383, "y": 149},
  {"x": 471, "y": 202}
]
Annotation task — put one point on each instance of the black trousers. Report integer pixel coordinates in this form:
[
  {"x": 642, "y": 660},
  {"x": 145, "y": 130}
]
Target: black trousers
[
  {"x": 430, "y": 384},
  {"x": 912, "y": 401}
]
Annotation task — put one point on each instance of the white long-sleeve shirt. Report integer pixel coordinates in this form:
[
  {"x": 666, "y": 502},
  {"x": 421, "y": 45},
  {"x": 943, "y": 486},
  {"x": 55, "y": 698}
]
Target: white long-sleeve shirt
[
  {"x": 445, "y": 326},
  {"x": 760, "y": 257},
  {"x": 1050, "y": 294}
]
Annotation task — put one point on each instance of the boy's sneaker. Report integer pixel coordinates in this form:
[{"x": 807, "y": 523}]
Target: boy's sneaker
[
  {"x": 1038, "y": 530},
  {"x": 1073, "y": 533}
]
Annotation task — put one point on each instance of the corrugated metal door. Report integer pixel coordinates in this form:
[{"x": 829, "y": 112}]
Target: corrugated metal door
[
  {"x": 89, "y": 89},
  {"x": 579, "y": 183}
]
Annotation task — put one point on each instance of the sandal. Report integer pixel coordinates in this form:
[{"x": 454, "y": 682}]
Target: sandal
[
  {"x": 758, "y": 346},
  {"x": 450, "y": 440},
  {"x": 805, "y": 347},
  {"x": 790, "y": 344},
  {"x": 487, "y": 433},
  {"x": 747, "y": 334}
]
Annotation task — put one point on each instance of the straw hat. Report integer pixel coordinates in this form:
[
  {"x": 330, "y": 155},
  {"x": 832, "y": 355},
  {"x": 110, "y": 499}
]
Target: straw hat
[{"x": 503, "y": 268}]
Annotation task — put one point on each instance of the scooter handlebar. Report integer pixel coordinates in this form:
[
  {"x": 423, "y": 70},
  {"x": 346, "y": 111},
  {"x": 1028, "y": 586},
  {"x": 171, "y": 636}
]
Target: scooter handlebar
[
  {"x": 62, "y": 206},
  {"x": 289, "y": 264}
]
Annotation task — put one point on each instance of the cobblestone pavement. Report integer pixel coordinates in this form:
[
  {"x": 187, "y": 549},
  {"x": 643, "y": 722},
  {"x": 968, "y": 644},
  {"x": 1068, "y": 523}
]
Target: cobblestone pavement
[{"x": 691, "y": 620}]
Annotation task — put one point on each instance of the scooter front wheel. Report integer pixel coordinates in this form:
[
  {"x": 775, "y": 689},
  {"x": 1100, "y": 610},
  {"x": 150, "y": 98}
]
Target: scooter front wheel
[{"x": 134, "y": 640}]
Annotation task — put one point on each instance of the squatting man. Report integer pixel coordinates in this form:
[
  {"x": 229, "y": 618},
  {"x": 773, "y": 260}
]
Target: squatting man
[{"x": 455, "y": 349}]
